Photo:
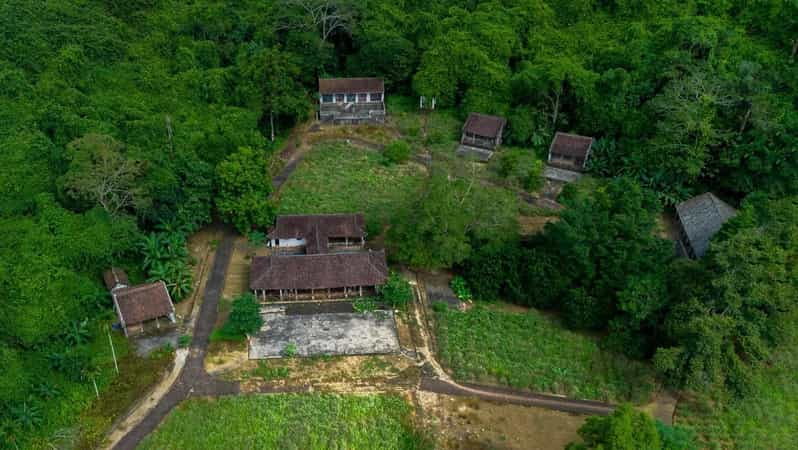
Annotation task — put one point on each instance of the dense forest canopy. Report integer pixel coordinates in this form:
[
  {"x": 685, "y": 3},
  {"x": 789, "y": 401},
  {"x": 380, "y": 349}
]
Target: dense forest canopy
[{"x": 123, "y": 119}]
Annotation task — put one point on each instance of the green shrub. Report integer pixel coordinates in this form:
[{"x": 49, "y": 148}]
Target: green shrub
[
  {"x": 520, "y": 168},
  {"x": 267, "y": 372},
  {"x": 461, "y": 289},
  {"x": 184, "y": 341},
  {"x": 396, "y": 152},
  {"x": 397, "y": 292},
  {"x": 256, "y": 238},
  {"x": 289, "y": 351},
  {"x": 365, "y": 304},
  {"x": 244, "y": 316}
]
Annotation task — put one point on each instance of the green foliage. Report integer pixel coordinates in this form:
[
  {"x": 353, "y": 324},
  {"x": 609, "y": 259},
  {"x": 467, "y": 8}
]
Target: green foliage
[
  {"x": 396, "y": 291},
  {"x": 436, "y": 230},
  {"x": 289, "y": 351},
  {"x": 184, "y": 341},
  {"x": 165, "y": 256},
  {"x": 461, "y": 289},
  {"x": 627, "y": 429},
  {"x": 531, "y": 351},
  {"x": 728, "y": 312},
  {"x": 291, "y": 421},
  {"x": 337, "y": 178},
  {"x": 397, "y": 152},
  {"x": 364, "y": 304},
  {"x": 267, "y": 372},
  {"x": 256, "y": 238},
  {"x": 244, "y": 316},
  {"x": 99, "y": 173},
  {"x": 520, "y": 168},
  {"x": 244, "y": 190}
]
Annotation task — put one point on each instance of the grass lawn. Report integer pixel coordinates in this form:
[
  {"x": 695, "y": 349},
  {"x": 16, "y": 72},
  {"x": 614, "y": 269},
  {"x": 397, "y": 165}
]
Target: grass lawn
[
  {"x": 766, "y": 418},
  {"x": 531, "y": 351},
  {"x": 338, "y": 178},
  {"x": 289, "y": 421}
]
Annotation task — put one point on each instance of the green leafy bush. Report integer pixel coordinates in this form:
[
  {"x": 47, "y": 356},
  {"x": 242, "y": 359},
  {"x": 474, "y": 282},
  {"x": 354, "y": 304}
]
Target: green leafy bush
[
  {"x": 396, "y": 152},
  {"x": 289, "y": 351},
  {"x": 461, "y": 289},
  {"x": 521, "y": 168},
  {"x": 627, "y": 429},
  {"x": 244, "y": 317},
  {"x": 397, "y": 292}
]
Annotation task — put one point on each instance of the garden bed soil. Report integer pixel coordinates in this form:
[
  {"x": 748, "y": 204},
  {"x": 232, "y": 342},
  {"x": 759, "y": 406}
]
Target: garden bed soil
[{"x": 468, "y": 423}]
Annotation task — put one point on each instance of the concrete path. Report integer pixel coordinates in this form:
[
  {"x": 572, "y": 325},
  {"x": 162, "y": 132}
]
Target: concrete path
[{"x": 193, "y": 380}]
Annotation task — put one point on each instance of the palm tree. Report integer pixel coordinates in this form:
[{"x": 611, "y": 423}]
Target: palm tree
[{"x": 151, "y": 248}]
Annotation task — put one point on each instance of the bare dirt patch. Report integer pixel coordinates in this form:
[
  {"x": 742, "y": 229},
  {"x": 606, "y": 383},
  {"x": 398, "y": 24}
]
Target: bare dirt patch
[
  {"x": 529, "y": 225},
  {"x": 337, "y": 373},
  {"x": 467, "y": 423}
]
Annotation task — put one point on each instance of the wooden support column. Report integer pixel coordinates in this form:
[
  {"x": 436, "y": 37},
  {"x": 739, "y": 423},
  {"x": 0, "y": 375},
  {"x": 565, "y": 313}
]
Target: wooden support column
[
  {"x": 281, "y": 294},
  {"x": 312, "y": 294},
  {"x": 360, "y": 289}
]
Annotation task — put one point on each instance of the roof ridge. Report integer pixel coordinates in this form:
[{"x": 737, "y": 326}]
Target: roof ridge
[{"x": 140, "y": 287}]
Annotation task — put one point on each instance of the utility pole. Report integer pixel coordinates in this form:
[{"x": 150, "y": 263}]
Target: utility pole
[{"x": 113, "y": 352}]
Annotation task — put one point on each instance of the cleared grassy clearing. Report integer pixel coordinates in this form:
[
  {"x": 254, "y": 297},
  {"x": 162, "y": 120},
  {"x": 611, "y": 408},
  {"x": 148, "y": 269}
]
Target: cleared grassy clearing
[
  {"x": 531, "y": 351},
  {"x": 339, "y": 178},
  {"x": 289, "y": 421},
  {"x": 765, "y": 418}
]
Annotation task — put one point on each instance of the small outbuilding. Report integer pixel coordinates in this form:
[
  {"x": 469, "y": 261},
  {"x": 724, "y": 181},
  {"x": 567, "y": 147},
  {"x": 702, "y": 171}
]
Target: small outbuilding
[
  {"x": 700, "y": 218},
  {"x": 137, "y": 306},
  {"x": 351, "y": 100},
  {"x": 318, "y": 276},
  {"x": 115, "y": 278},
  {"x": 570, "y": 151},
  {"x": 318, "y": 233},
  {"x": 481, "y": 135}
]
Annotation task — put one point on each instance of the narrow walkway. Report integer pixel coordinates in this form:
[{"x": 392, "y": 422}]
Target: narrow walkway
[{"x": 193, "y": 380}]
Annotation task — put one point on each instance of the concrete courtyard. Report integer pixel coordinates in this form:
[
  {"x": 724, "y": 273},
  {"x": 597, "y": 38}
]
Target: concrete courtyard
[{"x": 342, "y": 333}]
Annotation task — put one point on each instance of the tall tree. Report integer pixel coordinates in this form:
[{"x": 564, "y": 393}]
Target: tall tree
[
  {"x": 100, "y": 172},
  {"x": 244, "y": 188}
]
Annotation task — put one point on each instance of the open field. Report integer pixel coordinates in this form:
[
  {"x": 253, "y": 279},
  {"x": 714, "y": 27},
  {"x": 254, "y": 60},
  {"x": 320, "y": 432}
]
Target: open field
[
  {"x": 531, "y": 351},
  {"x": 766, "y": 418},
  {"x": 289, "y": 421},
  {"x": 339, "y": 178}
]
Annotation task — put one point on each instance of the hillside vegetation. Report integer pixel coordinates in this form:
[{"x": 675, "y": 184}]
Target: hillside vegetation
[{"x": 127, "y": 125}]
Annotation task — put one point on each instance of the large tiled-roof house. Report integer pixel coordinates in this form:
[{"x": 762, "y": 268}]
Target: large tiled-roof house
[
  {"x": 136, "y": 306},
  {"x": 570, "y": 151},
  {"x": 481, "y": 135},
  {"x": 318, "y": 233},
  {"x": 319, "y": 276},
  {"x": 351, "y": 100},
  {"x": 699, "y": 219}
]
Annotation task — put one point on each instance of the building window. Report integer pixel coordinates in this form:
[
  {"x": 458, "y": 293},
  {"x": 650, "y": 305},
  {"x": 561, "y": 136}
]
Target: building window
[
  {"x": 350, "y": 98},
  {"x": 327, "y": 98},
  {"x": 362, "y": 98},
  {"x": 339, "y": 98},
  {"x": 376, "y": 96}
]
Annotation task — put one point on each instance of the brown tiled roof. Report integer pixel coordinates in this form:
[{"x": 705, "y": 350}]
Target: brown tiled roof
[
  {"x": 327, "y": 271},
  {"x": 571, "y": 145},
  {"x": 114, "y": 277},
  {"x": 484, "y": 125},
  {"x": 137, "y": 304},
  {"x": 350, "y": 85},
  {"x": 317, "y": 229}
]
